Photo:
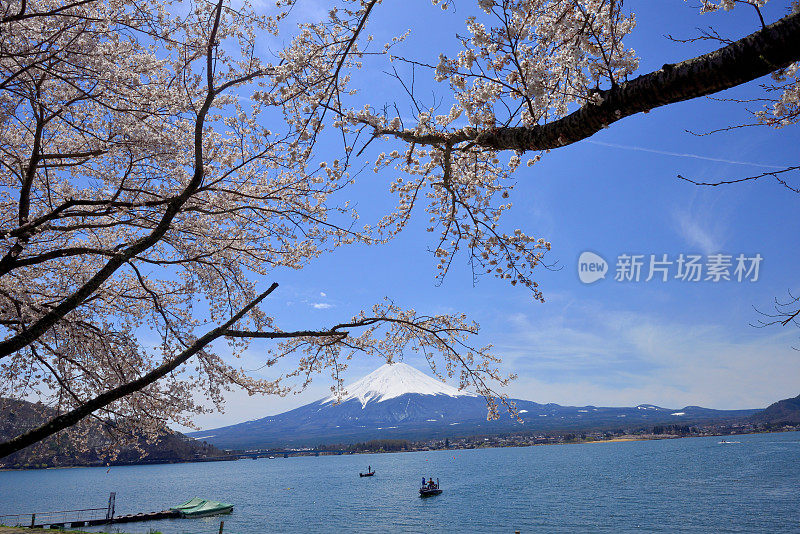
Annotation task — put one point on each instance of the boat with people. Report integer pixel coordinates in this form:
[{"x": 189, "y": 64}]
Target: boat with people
[
  {"x": 429, "y": 488},
  {"x": 369, "y": 472}
]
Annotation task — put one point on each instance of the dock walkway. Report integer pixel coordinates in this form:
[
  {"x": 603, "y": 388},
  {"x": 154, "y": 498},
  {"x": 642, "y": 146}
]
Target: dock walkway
[
  {"x": 130, "y": 518},
  {"x": 26, "y": 530}
]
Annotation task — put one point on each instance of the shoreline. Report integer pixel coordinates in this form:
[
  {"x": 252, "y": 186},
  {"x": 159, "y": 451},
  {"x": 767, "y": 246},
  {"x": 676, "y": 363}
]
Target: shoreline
[
  {"x": 617, "y": 439},
  {"x": 623, "y": 439}
]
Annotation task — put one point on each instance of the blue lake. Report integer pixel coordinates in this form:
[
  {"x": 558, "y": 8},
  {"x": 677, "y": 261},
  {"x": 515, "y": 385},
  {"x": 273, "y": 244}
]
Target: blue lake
[{"x": 682, "y": 485}]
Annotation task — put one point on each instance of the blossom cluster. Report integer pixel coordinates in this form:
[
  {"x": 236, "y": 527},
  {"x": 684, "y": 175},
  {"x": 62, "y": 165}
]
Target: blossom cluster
[
  {"x": 709, "y": 6},
  {"x": 543, "y": 56},
  {"x": 785, "y": 109}
]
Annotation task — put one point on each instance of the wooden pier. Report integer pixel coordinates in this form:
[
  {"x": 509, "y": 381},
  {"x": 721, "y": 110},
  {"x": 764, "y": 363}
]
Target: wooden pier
[
  {"x": 130, "y": 518},
  {"x": 87, "y": 517},
  {"x": 152, "y": 516}
]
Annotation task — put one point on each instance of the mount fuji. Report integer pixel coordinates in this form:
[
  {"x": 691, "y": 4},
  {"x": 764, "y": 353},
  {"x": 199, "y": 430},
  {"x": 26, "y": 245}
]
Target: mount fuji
[
  {"x": 399, "y": 401},
  {"x": 390, "y": 381}
]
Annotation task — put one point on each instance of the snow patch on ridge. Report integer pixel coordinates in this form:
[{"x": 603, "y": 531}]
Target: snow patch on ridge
[{"x": 392, "y": 380}]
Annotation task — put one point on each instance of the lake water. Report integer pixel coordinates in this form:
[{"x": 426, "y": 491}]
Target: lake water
[{"x": 682, "y": 485}]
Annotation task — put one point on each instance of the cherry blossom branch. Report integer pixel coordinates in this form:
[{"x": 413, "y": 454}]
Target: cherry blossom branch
[
  {"x": 74, "y": 416},
  {"x": 22, "y": 14},
  {"x": 25, "y": 337},
  {"x": 786, "y": 312},
  {"x": 446, "y": 335},
  {"x": 774, "y": 174},
  {"x": 338, "y": 330},
  {"x": 772, "y": 48}
]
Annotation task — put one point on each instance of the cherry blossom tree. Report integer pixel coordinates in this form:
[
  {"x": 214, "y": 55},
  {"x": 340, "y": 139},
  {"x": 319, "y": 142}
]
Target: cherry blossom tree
[{"x": 155, "y": 164}]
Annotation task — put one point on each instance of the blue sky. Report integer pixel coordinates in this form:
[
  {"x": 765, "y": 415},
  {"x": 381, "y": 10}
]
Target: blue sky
[{"x": 671, "y": 343}]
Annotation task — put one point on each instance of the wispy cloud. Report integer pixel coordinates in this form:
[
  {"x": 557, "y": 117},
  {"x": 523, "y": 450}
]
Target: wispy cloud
[
  {"x": 697, "y": 233},
  {"x": 321, "y": 305},
  {"x": 604, "y": 357}
]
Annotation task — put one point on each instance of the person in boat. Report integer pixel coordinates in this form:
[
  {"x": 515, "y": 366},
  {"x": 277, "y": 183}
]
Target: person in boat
[
  {"x": 423, "y": 482},
  {"x": 430, "y": 483},
  {"x": 369, "y": 469}
]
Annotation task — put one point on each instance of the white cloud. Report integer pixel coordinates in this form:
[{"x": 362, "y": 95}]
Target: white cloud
[
  {"x": 698, "y": 233},
  {"x": 623, "y": 359},
  {"x": 321, "y": 305},
  {"x": 322, "y": 294}
]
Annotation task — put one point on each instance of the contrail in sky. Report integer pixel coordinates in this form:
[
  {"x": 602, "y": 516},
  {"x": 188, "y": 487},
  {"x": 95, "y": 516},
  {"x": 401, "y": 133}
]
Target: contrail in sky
[{"x": 682, "y": 155}]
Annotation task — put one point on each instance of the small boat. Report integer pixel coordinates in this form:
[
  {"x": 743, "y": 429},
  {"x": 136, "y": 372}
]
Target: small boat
[
  {"x": 430, "y": 489},
  {"x": 198, "y": 507},
  {"x": 428, "y": 492},
  {"x": 369, "y": 472}
]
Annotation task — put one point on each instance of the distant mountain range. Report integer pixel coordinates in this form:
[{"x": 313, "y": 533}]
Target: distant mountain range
[
  {"x": 398, "y": 401},
  {"x": 64, "y": 450},
  {"x": 786, "y": 411}
]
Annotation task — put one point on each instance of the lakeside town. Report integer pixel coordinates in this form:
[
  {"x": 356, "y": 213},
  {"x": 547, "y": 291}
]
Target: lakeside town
[{"x": 527, "y": 439}]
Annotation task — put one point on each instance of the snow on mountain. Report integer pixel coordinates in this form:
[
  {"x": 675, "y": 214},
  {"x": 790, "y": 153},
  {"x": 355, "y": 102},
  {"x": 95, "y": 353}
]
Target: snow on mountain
[{"x": 393, "y": 380}]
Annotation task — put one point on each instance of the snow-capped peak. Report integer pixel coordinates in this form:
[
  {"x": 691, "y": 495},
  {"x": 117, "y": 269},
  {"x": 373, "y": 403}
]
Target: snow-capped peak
[{"x": 392, "y": 380}]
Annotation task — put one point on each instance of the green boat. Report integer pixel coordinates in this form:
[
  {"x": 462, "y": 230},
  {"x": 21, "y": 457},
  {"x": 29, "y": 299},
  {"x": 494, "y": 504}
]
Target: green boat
[{"x": 198, "y": 507}]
